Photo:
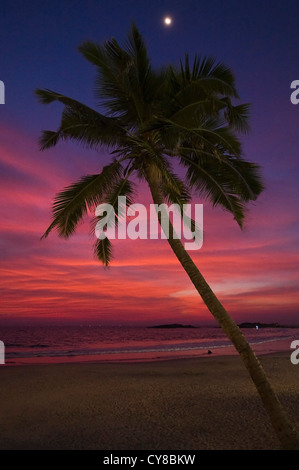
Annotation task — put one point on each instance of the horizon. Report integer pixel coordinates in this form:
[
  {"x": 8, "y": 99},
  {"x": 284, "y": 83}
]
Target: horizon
[
  {"x": 254, "y": 272},
  {"x": 33, "y": 322}
]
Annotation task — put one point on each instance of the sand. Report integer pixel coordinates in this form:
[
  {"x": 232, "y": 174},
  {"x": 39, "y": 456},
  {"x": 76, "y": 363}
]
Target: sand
[{"x": 205, "y": 403}]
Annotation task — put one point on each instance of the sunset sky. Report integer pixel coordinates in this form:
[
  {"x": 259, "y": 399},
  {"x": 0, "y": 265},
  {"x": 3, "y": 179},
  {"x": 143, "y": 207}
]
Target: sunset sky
[{"x": 254, "y": 272}]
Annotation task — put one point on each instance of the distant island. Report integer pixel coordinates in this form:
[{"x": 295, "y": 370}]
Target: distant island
[
  {"x": 260, "y": 325},
  {"x": 241, "y": 325},
  {"x": 173, "y": 325}
]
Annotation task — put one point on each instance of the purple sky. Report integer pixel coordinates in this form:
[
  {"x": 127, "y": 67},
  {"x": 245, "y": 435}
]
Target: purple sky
[{"x": 255, "y": 272}]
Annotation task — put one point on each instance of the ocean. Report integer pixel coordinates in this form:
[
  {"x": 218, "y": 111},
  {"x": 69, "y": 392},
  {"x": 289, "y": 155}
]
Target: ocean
[{"x": 94, "y": 343}]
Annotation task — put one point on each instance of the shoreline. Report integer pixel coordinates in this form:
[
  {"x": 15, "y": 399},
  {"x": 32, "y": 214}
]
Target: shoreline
[
  {"x": 270, "y": 346},
  {"x": 203, "y": 403}
]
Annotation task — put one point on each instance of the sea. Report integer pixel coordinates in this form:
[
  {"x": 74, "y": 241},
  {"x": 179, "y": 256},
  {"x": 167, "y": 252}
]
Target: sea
[{"x": 95, "y": 343}]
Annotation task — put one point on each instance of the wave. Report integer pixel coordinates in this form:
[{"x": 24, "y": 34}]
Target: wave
[
  {"x": 22, "y": 345},
  {"x": 134, "y": 350}
]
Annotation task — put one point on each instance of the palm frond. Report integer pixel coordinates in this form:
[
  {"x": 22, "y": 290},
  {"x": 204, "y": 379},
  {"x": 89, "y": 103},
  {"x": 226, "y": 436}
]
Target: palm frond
[
  {"x": 115, "y": 209},
  {"x": 222, "y": 186},
  {"x": 208, "y": 132},
  {"x": 125, "y": 84},
  {"x": 48, "y": 139},
  {"x": 173, "y": 188},
  {"x": 112, "y": 88},
  {"x": 175, "y": 191},
  {"x": 123, "y": 187},
  {"x": 138, "y": 52},
  {"x": 220, "y": 193},
  {"x": 206, "y": 75},
  {"x": 71, "y": 204},
  {"x": 192, "y": 114},
  {"x": 80, "y": 123},
  {"x": 94, "y": 53},
  {"x": 237, "y": 117},
  {"x": 103, "y": 251},
  {"x": 142, "y": 80},
  {"x": 246, "y": 176}
]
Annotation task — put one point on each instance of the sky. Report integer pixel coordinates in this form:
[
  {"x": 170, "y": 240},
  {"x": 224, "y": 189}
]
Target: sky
[{"x": 254, "y": 271}]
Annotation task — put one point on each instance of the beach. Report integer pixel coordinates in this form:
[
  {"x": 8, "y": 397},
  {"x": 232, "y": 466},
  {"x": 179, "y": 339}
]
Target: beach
[{"x": 205, "y": 403}]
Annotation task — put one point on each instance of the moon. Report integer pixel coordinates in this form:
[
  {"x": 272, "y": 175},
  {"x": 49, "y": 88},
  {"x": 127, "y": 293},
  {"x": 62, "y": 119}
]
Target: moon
[{"x": 167, "y": 20}]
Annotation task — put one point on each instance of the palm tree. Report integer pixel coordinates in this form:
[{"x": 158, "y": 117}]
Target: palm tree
[{"x": 152, "y": 120}]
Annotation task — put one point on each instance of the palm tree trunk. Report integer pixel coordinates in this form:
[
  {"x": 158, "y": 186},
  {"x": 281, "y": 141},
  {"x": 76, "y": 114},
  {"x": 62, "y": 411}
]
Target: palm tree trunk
[{"x": 285, "y": 431}]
